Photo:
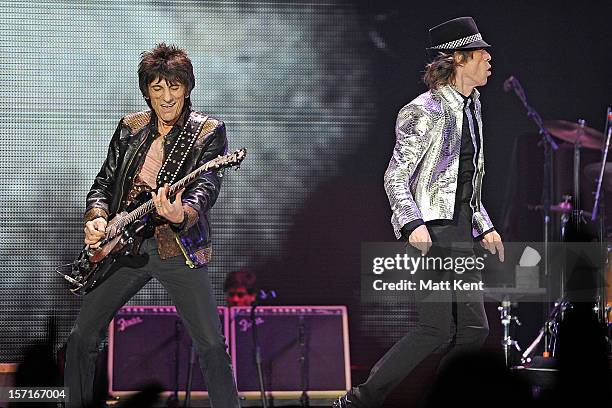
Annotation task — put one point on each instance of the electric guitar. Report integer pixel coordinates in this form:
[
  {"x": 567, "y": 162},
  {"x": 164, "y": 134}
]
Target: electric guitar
[{"x": 93, "y": 266}]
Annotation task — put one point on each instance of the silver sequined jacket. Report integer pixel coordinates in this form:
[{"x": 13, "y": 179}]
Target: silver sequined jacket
[{"x": 421, "y": 179}]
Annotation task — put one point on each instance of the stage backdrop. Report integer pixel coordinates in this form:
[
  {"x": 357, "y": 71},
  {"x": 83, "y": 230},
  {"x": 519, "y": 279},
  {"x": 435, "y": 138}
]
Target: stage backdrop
[
  {"x": 311, "y": 88},
  {"x": 288, "y": 79}
]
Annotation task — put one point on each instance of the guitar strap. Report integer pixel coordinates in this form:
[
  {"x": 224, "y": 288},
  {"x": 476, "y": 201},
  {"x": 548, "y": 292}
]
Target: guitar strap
[{"x": 171, "y": 168}]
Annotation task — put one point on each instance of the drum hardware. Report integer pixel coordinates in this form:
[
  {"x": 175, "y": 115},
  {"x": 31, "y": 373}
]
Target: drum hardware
[
  {"x": 571, "y": 223},
  {"x": 573, "y": 217},
  {"x": 593, "y": 172},
  {"x": 574, "y": 133},
  {"x": 506, "y": 317},
  {"x": 547, "y": 182},
  {"x": 563, "y": 207},
  {"x": 548, "y": 333},
  {"x": 598, "y": 214},
  {"x": 580, "y": 136}
]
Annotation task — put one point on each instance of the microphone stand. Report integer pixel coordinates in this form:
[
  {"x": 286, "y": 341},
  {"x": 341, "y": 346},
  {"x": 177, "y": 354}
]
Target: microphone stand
[
  {"x": 187, "y": 402},
  {"x": 304, "y": 399},
  {"x": 262, "y": 295},
  {"x": 257, "y": 355},
  {"x": 549, "y": 147},
  {"x": 173, "y": 398}
]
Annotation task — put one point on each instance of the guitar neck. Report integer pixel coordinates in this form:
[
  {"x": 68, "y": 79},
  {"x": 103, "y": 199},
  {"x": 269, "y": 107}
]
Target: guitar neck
[
  {"x": 148, "y": 206},
  {"x": 229, "y": 160}
]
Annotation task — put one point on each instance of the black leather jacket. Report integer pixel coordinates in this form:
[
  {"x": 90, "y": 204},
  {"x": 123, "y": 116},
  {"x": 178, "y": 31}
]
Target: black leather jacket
[{"x": 128, "y": 149}]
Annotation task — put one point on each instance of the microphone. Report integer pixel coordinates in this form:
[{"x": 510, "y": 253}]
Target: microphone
[
  {"x": 509, "y": 83},
  {"x": 266, "y": 294},
  {"x": 262, "y": 297}
]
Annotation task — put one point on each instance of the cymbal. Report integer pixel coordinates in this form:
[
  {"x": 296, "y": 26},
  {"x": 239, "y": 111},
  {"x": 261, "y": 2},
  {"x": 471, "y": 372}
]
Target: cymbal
[
  {"x": 591, "y": 171},
  {"x": 561, "y": 208},
  {"x": 570, "y": 131}
]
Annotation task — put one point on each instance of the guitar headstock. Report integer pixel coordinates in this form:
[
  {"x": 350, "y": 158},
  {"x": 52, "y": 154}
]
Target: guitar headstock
[{"x": 229, "y": 160}]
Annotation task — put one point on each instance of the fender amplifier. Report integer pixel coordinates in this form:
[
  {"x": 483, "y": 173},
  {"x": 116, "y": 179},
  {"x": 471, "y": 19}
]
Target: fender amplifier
[
  {"x": 302, "y": 348},
  {"x": 144, "y": 343}
]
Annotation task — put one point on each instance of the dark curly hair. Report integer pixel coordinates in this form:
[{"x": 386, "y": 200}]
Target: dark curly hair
[
  {"x": 166, "y": 62},
  {"x": 441, "y": 70},
  {"x": 242, "y": 277}
]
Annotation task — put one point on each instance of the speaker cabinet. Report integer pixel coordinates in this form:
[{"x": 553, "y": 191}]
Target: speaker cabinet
[
  {"x": 144, "y": 343},
  {"x": 302, "y": 348}
]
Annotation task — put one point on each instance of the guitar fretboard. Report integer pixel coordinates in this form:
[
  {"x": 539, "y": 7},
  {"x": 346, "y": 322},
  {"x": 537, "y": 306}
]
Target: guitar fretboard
[{"x": 220, "y": 162}]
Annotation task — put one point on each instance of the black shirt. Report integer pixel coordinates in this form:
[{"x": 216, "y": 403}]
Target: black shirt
[{"x": 468, "y": 155}]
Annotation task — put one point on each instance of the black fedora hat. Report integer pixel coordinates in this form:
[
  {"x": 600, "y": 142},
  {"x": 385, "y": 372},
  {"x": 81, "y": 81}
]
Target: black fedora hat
[{"x": 456, "y": 34}]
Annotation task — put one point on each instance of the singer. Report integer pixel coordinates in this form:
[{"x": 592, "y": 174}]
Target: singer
[
  {"x": 177, "y": 251},
  {"x": 433, "y": 183}
]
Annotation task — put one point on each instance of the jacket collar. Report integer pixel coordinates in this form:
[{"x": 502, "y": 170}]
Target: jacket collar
[{"x": 454, "y": 98}]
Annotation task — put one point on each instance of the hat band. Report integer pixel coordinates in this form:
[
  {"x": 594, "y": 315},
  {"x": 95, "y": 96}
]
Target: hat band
[{"x": 458, "y": 43}]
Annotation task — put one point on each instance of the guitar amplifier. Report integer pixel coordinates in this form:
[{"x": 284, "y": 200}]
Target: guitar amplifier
[
  {"x": 143, "y": 346},
  {"x": 306, "y": 345}
]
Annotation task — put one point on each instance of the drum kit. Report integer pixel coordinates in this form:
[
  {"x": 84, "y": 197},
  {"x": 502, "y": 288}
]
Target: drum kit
[
  {"x": 600, "y": 173},
  {"x": 572, "y": 220},
  {"x": 572, "y": 217}
]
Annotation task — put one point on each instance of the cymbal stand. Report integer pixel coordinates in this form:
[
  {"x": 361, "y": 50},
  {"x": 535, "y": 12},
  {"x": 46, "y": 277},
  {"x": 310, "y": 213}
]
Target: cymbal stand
[
  {"x": 576, "y": 219},
  {"x": 548, "y": 333},
  {"x": 604, "y": 157},
  {"x": 506, "y": 317},
  {"x": 597, "y": 214}
]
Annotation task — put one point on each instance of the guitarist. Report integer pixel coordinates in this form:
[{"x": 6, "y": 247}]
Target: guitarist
[{"x": 177, "y": 247}]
